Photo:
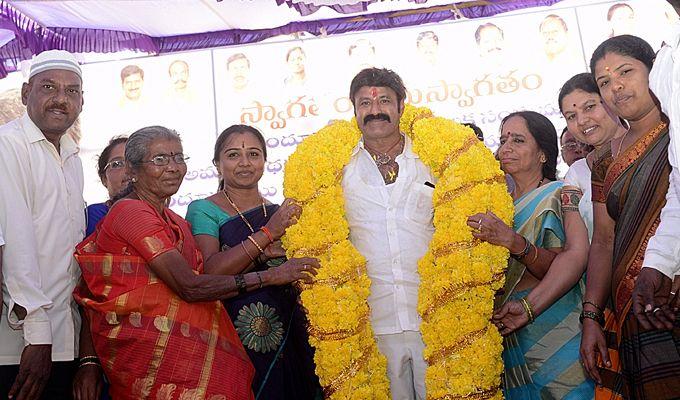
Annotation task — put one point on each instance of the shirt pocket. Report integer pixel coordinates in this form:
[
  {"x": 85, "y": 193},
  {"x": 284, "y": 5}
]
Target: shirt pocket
[{"x": 419, "y": 205}]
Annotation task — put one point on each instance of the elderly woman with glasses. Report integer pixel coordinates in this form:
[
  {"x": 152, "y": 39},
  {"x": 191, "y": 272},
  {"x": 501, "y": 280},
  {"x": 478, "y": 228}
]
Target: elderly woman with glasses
[
  {"x": 156, "y": 322},
  {"x": 111, "y": 171}
]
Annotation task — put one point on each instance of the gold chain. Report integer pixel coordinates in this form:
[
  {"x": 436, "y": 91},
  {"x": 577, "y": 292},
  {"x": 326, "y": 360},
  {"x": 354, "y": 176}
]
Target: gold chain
[{"x": 240, "y": 214}]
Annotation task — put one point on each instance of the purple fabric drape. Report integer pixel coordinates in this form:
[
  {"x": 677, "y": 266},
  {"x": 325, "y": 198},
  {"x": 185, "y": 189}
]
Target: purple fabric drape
[
  {"x": 307, "y": 8},
  {"x": 31, "y": 38}
]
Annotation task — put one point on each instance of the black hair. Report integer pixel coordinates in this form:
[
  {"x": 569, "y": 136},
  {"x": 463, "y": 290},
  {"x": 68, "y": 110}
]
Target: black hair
[
  {"x": 553, "y": 16},
  {"x": 237, "y": 56},
  {"x": 624, "y": 45},
  {"x": 186, "y": 65},
  {"x": 427, "y": 35},
  {"x": 130, "y": 70},
  {"x": 583, "y": 81},
  {"x": 378, "y": 77},
  {"x": 480, "y": 28},
  {"x": 612, "y": 9},
  {"x": 545, "y": 135},
  {"x": 292, "y": 50},
  {"x": 103, "y": 159},
  {"x": 219, "y": 143},
  {"x": 477, "y": 130}
]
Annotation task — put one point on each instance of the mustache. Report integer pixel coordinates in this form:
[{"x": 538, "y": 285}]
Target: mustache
[
  {"x": 58, "y": 106},
  {"x": 379, "y": 116}
]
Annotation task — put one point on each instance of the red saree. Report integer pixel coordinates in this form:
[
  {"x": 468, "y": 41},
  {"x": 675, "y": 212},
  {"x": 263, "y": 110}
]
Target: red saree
[{"x": 152, "y": 344}]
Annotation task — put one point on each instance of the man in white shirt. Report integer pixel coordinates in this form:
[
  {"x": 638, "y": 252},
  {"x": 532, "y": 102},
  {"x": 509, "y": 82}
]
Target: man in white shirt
[
  {"x": 388, "y": 200},
  {"x": 2, "y": 243},
  {"x": 653, "y": 295},
  {"x": 42, "y": 218}
]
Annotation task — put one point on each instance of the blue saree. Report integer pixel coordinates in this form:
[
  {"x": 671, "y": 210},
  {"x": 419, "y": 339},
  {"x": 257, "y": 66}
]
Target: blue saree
[{"x": 542, "y": 359}]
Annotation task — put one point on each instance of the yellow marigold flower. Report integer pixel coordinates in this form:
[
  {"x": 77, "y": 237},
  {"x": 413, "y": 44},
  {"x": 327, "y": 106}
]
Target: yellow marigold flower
[{"x": 458, "y": 276}]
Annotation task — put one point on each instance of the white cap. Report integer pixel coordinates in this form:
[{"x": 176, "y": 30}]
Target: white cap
[{"x": 55, "y": 59}]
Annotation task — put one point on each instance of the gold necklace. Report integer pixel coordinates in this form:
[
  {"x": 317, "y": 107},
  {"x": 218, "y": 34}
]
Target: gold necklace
[
  {"x": 381, "y": 159},
  {"x": 618, "y": 153},
  {"x": 245, "y": 220}
]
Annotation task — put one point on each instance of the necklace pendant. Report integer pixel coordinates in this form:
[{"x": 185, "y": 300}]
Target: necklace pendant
[{"x": 382, "y": 159}]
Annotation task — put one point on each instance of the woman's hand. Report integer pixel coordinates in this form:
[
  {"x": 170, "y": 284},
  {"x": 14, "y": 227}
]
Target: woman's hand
[
  {"x": 489, "y": 228},
  {"x": 510, "y": 317},
  {"x": 592, "y": 345},
  {"x": 285, "y": 216},
  {"x": 87, "y": 384},
  {"x": 274, "y": 250},
  {"x": 293, "y": 270}
]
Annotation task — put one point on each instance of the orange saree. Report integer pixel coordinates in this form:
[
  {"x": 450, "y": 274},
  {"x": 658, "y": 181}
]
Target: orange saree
[{"x": 152, "y": 344}]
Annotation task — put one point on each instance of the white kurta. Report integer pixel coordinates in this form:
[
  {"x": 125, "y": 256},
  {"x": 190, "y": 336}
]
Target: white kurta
[
  {"x": 663, "y": 250},
  {"x": 42, "y": 216}
]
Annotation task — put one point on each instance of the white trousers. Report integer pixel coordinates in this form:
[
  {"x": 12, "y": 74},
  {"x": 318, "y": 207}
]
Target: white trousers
[{"x": 405, "y": 364}]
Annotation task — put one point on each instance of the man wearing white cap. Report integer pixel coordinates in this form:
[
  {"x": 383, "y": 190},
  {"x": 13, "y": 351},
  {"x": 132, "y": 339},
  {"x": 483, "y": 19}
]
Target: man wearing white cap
[{"x": 42, "y": 218}]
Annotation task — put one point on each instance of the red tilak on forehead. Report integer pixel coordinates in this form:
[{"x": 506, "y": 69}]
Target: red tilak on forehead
[{"x": 374, "y": 92}]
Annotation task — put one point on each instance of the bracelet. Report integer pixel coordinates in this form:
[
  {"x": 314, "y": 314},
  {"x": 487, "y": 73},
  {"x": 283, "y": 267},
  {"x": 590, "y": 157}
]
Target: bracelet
[
  {"x": 591, "y": 315},
  {"x": 82, "y": 364},
  {"x": 259, "y": 278},
  {"x": 523, "y": 253},
  {"x": 240, "y": 283},
  {"x": 533, "y": 260},
  {"x": 528, "y": 309},
  {"x": 247, "y": 252},
  {"x": 267, "y": 232},
  {"x": 255, "y": 243},
  {"x": 592, "y": 304},
  {"x": 89, "y": 358}
]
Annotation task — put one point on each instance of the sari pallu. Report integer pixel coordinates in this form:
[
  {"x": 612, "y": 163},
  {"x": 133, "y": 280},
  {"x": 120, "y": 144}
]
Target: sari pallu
[
  {"x": 645, "y": 364},
  {"x": 542, "y": 359},
  {"x": 151, "y": 343},
  {"x": 271, "y": 325}
]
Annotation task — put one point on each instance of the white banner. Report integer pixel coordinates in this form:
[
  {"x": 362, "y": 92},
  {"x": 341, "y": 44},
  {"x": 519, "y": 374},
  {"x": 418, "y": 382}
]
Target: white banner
[{"x": 468, "y": 70}]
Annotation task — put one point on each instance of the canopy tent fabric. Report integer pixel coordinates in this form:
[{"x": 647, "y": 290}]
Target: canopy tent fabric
[{"x": 28, "y": 27}]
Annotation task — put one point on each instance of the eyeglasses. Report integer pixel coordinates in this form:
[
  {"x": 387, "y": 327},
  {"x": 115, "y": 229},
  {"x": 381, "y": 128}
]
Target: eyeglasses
[
  {"x": 162, "y": 160},
  {"x": 575, "y": 146},
  {"x": 115, "y": 164}
]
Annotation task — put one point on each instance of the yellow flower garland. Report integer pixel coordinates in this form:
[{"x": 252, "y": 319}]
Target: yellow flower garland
[{"x": 458, "y": 275}]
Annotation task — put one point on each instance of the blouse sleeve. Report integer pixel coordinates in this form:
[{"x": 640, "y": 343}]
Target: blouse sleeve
[
  {"x": 597, "y": 176},
  {"x": 203, "y": 222},
  {"x": 140, "y": 226}
]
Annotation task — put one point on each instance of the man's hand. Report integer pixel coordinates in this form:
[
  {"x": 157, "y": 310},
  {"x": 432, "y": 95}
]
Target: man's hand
[
  {"x": 650, "y": 300},
  {"x": 34, "y": 371},
  {"x": 87, "y": 384}
]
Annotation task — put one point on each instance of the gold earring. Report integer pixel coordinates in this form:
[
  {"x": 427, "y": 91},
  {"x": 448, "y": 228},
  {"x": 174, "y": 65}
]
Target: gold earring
[
  {"x": 133, "y": 180},
  {"x": 542, "y": 159}
]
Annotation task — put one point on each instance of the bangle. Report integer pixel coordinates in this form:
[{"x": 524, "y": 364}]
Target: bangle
[
  {"x": 248, "y": 253},
  {"x": 259, "y": 278},
  {"x": 89, "y": 358},
  {"x": 240, "y": 283},
  {"x": 255, "y": 243},
  {"x": 524, "y": 252},
  {"x": 528, "y": 309},
  {"x": 267, "y": 232},
  {"x": 592, "y": 304},
  {"x": 533, "y": 260},
  {"x": 591, "y": 315},
  {"x": 82, "y": 364}
]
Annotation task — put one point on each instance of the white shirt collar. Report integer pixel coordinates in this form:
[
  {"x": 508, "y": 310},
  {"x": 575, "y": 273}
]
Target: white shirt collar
[
  {"x": 34, "y": 134},
  {"x": 408, "y": 147}
]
